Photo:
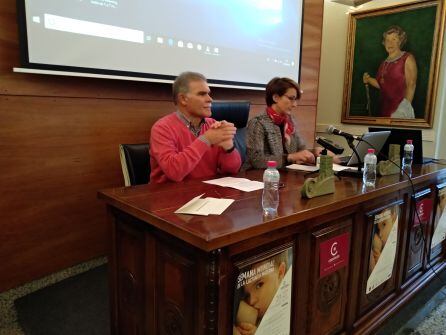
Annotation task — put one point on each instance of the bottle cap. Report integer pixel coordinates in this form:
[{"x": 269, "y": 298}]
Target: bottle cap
[
  {"x": 409, "y": 141},
  {"x": 370, "y": 151},
  {"x": 271, "y": 164}
]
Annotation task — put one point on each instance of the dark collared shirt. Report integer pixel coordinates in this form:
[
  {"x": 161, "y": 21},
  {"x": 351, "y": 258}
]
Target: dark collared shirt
[{"x": 194, "y": 130}]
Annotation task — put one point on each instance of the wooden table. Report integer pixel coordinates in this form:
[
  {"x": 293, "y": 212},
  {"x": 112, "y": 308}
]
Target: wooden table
[{"x": 176, "y": 274}]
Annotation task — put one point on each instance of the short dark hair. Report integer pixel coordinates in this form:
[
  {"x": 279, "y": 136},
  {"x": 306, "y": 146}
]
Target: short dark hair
[
  {"x": 397, "y": 30},
  {"x": 279, "y": 86},
  {"x": 181, "y": 83}
]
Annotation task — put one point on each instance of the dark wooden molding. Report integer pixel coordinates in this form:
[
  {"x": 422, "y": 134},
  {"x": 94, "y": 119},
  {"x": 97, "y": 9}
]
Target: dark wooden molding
[{"x": 212, "y": 292}]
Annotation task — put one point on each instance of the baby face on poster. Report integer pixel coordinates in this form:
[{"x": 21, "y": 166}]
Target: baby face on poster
[{"x": 258, "y": 285}]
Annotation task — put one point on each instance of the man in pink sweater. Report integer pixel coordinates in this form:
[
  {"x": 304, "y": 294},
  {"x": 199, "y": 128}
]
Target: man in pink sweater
[{"x": 188, "y": 143}]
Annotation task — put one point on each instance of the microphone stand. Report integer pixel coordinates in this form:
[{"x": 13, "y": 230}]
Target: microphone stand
[{"x": 350, "y": 172}]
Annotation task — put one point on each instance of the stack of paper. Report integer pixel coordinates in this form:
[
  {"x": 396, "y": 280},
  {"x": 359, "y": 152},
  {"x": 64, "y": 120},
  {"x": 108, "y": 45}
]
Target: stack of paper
[
  {"x": 301, "y": 167},
  {"x": 241, "y": 184},
  {"x": 337, "y": 167},
  {"x": 205, "y": 206},
  {"x": 312, "y": 168}
]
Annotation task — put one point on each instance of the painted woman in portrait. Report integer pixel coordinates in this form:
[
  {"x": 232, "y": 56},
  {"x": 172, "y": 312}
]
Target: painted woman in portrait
[{"x": 396, "y": 77}]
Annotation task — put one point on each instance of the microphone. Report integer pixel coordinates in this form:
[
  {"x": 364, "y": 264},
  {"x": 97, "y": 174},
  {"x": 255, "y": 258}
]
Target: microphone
[
  {"x": 330, "y": 145},
  {"x": 332, "y": 130}
]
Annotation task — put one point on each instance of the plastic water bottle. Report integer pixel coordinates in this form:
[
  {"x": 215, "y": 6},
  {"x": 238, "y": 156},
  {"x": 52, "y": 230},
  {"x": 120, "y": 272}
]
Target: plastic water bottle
[
  {"x": 408, "y": 156},
  {"x": 270, "y": 197},
  {"x": 369, "y": 173}
]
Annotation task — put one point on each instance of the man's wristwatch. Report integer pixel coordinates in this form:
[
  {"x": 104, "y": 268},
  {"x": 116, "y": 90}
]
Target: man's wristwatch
[{"x": 230, "y": 150}]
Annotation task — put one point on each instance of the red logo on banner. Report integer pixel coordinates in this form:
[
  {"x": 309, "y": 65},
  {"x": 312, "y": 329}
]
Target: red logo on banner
[
  {"x": 334, "y": 254},
  {"x": 424, "y": 209}
]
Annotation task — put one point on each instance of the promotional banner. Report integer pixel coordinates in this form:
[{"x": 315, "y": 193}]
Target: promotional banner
[
  {"x": 333, "y": 254},
  {"x": 424, "y": 209},
  {"x": 262, "y": 297},
  {"x": 383, "y": 247},
  {"x": 440, "y": 219}
]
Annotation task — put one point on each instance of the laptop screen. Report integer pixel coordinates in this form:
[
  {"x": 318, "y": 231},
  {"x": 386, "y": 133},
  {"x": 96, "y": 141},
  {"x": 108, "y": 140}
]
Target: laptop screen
[
  {"x": 400, "y": 136},
  {"x": 376, "y": 140}
]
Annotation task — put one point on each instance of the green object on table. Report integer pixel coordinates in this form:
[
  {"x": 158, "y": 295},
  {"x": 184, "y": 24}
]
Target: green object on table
[
  {"x": 323, "y": 183},
  {"x": 391, "y": 166}
]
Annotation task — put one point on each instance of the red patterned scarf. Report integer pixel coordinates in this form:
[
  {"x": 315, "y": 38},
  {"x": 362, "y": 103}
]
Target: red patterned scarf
[{"x": 282, "y": 119}]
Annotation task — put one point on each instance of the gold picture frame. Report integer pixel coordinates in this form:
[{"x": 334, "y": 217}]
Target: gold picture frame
[{"x": 392, "y": 64}]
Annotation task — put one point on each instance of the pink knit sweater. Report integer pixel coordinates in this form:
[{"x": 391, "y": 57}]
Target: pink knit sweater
[{"x": 176, "y": 154}]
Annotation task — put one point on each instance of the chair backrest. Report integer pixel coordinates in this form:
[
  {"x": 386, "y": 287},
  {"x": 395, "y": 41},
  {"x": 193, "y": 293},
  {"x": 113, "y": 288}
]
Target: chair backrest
[
  {"x": 236, "y": 112},
  {"x": 135, "y": 163}
]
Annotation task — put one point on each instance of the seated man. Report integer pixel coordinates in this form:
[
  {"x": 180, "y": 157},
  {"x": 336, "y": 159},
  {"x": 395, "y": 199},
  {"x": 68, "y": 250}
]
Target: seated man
[{"x": 188, "y": 143}]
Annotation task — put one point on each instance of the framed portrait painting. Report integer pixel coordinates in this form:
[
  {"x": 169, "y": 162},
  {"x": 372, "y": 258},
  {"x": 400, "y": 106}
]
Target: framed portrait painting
[{"x": 392, "y": 64}]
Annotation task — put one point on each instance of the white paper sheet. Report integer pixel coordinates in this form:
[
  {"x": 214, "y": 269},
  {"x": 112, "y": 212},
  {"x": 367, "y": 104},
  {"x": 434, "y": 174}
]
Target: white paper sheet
[
  {"x": 206, "y": 206},
  {"x": 337, "y": 167},
  {"x": 242, "y": 184},
  {"x": 313, "y": 168},
  {"x": 301, "y": 167}
]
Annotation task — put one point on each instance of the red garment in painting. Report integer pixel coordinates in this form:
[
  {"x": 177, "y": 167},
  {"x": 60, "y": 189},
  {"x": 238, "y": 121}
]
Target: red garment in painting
[{"x": 392, "y": 82}]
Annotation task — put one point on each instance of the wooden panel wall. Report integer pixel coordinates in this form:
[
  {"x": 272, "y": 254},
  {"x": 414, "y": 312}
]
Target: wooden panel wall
[{"x": 59, "y": 141}]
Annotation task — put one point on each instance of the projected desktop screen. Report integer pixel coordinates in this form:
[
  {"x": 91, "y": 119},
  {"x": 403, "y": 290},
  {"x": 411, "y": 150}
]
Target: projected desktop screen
[{"x": 245, "y": 42}]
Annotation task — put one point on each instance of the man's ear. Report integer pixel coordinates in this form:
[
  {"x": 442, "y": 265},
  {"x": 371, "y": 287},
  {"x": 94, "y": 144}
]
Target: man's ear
[
  {"x": 182, "y": 99},
  {"x": 282, "y": 269}
]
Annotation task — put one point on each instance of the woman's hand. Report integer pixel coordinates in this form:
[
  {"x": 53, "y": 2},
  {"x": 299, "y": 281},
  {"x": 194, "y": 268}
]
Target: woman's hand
[
  {"x": 369, "y": 80},
  {"x": 366, "y": 78},
  {"x": 303, "y": 156},
  {"x": 317, "y": 152},
  {"x": 336, "y": 159}
]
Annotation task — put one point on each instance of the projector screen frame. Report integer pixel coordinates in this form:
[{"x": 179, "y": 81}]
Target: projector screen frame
[{"x": 51, "y": 69}]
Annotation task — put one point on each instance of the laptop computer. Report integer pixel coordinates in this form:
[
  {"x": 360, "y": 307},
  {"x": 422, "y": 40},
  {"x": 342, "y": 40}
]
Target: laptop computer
[
  {"x": 376, "y": 139},
  {"x": 400, "y": 136}
]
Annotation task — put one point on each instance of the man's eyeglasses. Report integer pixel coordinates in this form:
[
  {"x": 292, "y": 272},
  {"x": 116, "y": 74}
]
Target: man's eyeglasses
[{"x": 292, "y": 98}]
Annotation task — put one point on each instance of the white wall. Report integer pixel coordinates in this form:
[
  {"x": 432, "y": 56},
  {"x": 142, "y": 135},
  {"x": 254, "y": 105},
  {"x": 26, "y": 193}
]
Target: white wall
[{"x": 331, "y": 80}]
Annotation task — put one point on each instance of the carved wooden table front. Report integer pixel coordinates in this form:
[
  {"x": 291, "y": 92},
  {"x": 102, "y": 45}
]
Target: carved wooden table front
[{"x": 177, "y": 274}]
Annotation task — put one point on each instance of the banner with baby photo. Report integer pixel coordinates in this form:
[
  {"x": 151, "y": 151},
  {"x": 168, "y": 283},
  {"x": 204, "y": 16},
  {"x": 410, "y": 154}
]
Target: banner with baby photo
[
  {"x": 383, "y": 247},
  {"x": 262, "y": 297},
  {"x": 439, "y": 234}
]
